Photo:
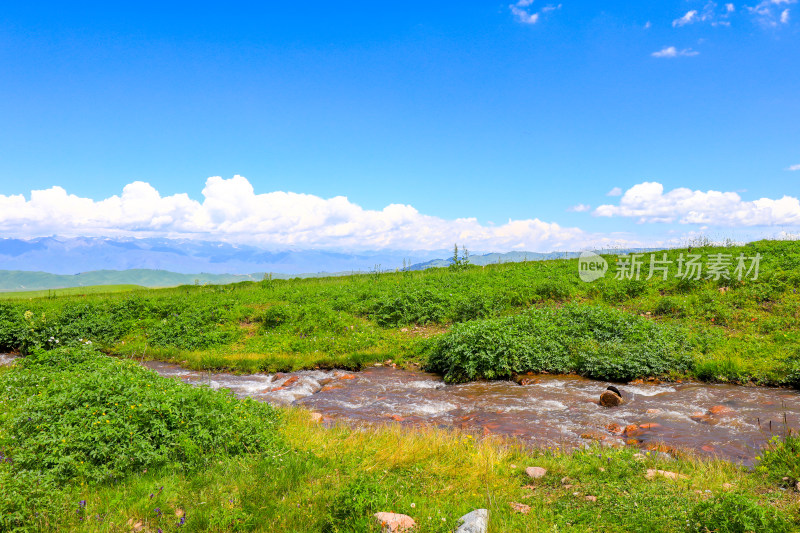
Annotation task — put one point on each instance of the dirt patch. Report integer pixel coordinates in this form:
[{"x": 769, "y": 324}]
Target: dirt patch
[{"x": 426, "y": 332}]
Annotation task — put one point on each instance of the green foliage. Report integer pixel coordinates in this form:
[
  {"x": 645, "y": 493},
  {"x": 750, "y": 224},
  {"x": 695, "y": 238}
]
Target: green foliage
[
  {"x": 736, "y": 512},
  {"x": 781, "y": 457},
  {"x": 353, "y": 508},
  {"x": 594, "y": 341},
  {"x": 77, "y": 414},
  {"x": 29, "y": 502}
]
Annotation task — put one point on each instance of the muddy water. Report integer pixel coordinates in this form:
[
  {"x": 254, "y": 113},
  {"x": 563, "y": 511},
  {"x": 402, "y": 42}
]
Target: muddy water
[{"x": 553, "y": 411}]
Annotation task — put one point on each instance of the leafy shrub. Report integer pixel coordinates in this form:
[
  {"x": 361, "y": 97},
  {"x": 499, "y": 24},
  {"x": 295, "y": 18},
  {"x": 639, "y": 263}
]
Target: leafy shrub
[
  {"x": 276, "y": 316},
  {"x": 78, "y": 414},
  {"x": 353, "y": 507},
  {"x": 668, "y": 305},
  {"x": 595, "y": 341},
  {"x": 29, "y": 500},
  {"x": 781, "y": 457},
  {"x": 735, "y": 512}
]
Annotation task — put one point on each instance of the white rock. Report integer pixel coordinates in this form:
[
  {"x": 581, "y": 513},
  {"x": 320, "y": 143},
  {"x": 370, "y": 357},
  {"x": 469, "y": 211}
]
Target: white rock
[{"x": 476, "y": 521}]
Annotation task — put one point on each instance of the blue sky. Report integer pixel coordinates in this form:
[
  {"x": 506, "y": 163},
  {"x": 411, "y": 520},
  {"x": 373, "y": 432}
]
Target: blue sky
[{"x": 455, "y": 110}]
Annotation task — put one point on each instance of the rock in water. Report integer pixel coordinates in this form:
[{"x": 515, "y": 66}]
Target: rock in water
[
  {"x": 475, "y": 522},
  {"x": 394, "y": 522},
  {"x": 609, "y": 398}
]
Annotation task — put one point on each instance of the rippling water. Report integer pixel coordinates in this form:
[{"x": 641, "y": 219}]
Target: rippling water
[{"x": 553, "y": 411}]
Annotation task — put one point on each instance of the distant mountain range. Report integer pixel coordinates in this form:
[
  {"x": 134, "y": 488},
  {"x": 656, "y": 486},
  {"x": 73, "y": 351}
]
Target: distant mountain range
[
  {"x": 58, "y": 255},
  {"x": 54, "y": 263}
]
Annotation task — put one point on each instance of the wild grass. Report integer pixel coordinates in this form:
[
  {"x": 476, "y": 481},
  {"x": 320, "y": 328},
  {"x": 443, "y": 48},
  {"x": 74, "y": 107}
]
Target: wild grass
[
  {"x": 738, "y": 331},
  {"x": 68, "y": 291}
]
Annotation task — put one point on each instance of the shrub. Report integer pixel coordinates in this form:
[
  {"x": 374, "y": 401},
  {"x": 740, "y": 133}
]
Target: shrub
[
  {"x": 594, "y": 341},
  {"x": 781, "y": 457},
  {"x": 78, "y": 414},
  {"x": 668, "y": 305},
  {"x": 735, "y": 512}
]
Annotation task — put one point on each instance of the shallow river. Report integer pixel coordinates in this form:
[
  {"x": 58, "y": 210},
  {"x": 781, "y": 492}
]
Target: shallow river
[
  {"x": 553, "y": 411},
  {"x": 729, "y": 421}
]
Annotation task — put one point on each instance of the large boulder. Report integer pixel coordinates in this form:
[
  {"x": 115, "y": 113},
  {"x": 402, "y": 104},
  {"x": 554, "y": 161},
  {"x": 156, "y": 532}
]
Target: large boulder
[
  {"x": 476, "y": 521},
  {"x": 611, "y": 397}
]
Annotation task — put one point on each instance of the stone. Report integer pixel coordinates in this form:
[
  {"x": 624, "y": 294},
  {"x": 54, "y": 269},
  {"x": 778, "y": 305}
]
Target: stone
[
  {"x": 348, "y": 376},
  {"x": 652, "y": 473},
  {"x": 653, "y": 411},
  {"x": 591, "y": 498},
  {"x": 593, "y": 435},
  {"x": 610, "y": 399},
  {"x": 394, "y": 522},
  {"x": 727, "y": 486},
  {"x": 535, "y": 471},
  {"x": 520, "y": 507},
  {"x": 316, "y": 417},
  {"x": 631, "y": 430},
  {"x": 476, "y": 521},
  {"x": 614, "y": 428},
  {"x": 721, "y": 410},
  {"x": 650, "y": 425}
]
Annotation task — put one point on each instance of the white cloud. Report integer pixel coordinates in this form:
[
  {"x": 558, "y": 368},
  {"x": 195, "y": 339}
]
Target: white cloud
[
  {"x": 523, "y": 14},
  {"x": 616, "y": 191},
  {"x": 647, "y": 25},
  {"x": 648, "y": 202},
  {"x": 671, "y": 51},
  {"x": 688, "y": 18},
  {"x": 730, "y": 8},
  {"x": 794, "y": 167},
  {"x": 232, "y": 211},
  {"x": 771, "y": 13},
  {"x": 580, "y": 208}
]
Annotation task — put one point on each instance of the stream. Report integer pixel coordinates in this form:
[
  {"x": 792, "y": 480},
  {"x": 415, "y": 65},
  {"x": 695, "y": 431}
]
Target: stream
[{"x": 728, "y": 421}]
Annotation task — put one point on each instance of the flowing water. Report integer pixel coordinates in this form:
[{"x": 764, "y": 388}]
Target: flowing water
[{"x": 728, "y": 421}]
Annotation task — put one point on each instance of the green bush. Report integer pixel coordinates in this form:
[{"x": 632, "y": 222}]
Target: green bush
[
  {"x": 736, "y": 512},
  {"x": 77, "y": 414},
  {"x": 594, "y": 341},
  {"x": 781, "y": 457}
]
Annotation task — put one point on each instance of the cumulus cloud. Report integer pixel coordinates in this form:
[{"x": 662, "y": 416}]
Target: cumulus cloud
[
  {"x": 523, "y": 13},
  {"x": 671, "y": 51},
  {"x": 616, "y": 191},
  {"x": 232, "y": 211},
  {"x": 649, "y": 203},
  {"x": 785, "y": 16}
]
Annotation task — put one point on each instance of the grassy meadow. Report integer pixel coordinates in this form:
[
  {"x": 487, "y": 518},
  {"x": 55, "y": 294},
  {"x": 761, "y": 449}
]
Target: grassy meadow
[
  {"x": 469, "y": 323},
  {"x": 94, "y": 442}
]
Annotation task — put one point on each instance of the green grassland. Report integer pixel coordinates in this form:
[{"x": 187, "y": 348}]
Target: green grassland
[
  {"x": 68, "y": 291},
  {"x": 467, "y": 323},
  {"x": 95, "y": 443}
]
